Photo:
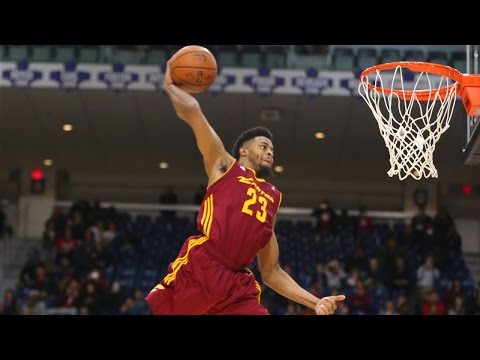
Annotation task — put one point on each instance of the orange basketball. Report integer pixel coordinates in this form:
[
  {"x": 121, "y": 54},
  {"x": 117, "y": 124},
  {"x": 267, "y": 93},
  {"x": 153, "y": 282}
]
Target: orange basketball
[{"x": 193, "y": 68}]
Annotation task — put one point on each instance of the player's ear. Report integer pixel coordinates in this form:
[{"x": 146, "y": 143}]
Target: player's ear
[{"x": 243, "y": 151}]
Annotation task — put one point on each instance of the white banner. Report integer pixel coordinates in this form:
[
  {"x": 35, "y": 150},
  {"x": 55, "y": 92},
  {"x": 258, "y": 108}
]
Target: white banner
[{"x": 117, "y": 77}]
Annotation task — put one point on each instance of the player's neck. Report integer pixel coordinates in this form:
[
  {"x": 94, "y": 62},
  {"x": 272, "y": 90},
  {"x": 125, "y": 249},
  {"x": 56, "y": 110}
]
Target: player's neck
[
  {"x": 259, "y": 173},
  {"x": 247, "y": 164}
]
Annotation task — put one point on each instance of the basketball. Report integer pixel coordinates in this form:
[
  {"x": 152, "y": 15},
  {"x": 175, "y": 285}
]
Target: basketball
[{"x": 193, "y": 68}]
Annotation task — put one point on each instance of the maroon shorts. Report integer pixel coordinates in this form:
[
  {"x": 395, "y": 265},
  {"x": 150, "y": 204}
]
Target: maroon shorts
[{"x": 199, "y": 283}]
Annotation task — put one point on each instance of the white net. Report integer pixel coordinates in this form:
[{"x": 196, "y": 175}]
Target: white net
[{"x": 410, "y": 127}]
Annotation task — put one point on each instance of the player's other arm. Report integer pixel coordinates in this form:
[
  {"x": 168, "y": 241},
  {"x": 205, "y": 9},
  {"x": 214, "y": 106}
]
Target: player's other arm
[
  {"x": 216, "y": 159},
  {"x": 278, "y": 280}
]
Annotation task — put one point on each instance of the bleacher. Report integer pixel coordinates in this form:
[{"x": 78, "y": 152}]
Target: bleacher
[
  {"x": 321, "y": 57},
  {"x": 136, "y": 258}
]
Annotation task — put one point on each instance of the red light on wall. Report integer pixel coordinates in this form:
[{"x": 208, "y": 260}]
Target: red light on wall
[
  {"x": 467, "y": 189},
  {"x": 37, "y": 174},
  {"x": 37, "y": 181}
]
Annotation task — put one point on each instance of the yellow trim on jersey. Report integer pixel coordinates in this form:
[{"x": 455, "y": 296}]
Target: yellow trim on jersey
[
  {"x": 180, "y": 261},
  {"x": 259, "y": 288},
  {"x": 255, "y": 175},
  {"x": 280, "y": 201},
  {"x": 221, "y": 176},
  {"x": 204, "y": 213},
  {"x": 158, "y": 287},
  {"x": 207, "y": 217},
  {"x": 257, "y": 285}
]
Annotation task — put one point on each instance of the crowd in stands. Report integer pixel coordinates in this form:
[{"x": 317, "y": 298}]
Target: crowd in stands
[
  {"x": 93, "y": 260},
  {"x": 321, "y": 57}
]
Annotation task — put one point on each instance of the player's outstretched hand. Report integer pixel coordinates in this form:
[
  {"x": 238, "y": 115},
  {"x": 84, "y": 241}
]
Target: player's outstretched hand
[
  {"x": 182, "y": 101},
  {"x": 328, "y": 304}
]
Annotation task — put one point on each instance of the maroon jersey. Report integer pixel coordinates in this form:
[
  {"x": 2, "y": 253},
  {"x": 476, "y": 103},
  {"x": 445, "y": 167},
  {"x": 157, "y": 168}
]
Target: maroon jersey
[{"x": 237, "y": 214}]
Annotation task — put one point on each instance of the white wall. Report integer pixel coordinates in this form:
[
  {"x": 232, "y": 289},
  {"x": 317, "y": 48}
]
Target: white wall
[
  {"x": 146, "y": 189},
  {"x": 469, "y": 230},
  {"x": 33, "y": 211}
]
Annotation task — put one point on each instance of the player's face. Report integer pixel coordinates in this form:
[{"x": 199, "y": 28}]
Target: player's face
[{"x": 260, "y": 155}]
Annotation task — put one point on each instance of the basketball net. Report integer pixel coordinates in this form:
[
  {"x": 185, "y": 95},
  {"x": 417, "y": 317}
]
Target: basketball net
[{"x": 409, "y": 123}]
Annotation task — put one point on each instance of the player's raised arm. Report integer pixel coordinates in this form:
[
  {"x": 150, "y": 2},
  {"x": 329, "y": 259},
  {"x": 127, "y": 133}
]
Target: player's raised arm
[{"x": 216, "y": 158}]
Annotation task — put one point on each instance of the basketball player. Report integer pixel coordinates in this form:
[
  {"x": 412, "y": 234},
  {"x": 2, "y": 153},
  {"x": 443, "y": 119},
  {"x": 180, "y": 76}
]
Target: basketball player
[{"x": 236, "y": 223}]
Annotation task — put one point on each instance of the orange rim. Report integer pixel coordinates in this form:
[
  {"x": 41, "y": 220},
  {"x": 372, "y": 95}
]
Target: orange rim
[{"x": 417, "y": 66}]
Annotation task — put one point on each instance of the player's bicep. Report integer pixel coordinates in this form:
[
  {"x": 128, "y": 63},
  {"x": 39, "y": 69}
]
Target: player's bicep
[{"x": 209, "y": 144}]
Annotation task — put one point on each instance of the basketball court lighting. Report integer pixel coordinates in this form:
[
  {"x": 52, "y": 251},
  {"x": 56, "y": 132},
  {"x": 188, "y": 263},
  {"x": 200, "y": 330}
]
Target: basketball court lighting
[
  {"x": 163, "y": 165},
  {"x": 67, "y": 127},
  {"x": 279, "y": 169},
  {"x": 48, "y": 162},
  {"x": 320, "y": 135}
]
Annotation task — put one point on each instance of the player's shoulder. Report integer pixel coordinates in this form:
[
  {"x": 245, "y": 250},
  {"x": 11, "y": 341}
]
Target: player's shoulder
[
  {"x": 271, "y": 187},
  {"x": 274, "y": 188}
]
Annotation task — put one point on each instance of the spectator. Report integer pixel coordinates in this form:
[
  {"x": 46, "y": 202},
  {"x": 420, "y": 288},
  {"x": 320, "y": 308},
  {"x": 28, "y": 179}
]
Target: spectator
[
  {"x": 66, "y": 244},
  {"x": 473, "y": 302},
  {"x": 458, "y": 307},
  {"x": 442, "y": 223},
  {"x": 358, "y": 261},
  {"x": 420, "y": 223},
  {"x": 9, "y": 305},
  {"x": 168, "y": 197},
  {"x": 388, "y": 309},
  {"x": 49, "y": 237},
  {"x": 375, "y": 276},
  {"x": 402, "y": 305},
  {"x": 360, "y": 299},
  {"x": 199, "y": 194},
  {"x": 388, "y": 254},
  {"x": 454, "y": 240},
  {"x": 427, "y": 274},
  {"x": 364, "y": 222},
  {"x": 454, "y": 290},
  {"x": 335, "y": 274},
  {"x": 433, "y": 306},
  {"x": 400, "y": 279},
  {"x": 326, "y": 217},
  {"x": 345, "y": 222}
]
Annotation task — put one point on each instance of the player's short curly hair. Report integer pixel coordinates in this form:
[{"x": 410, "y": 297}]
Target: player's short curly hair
[{"x": 248, "y": 135}]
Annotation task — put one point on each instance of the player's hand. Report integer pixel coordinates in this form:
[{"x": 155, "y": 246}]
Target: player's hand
[
  {"x": 184, "y": 103},
  {"x": 328, "y": 304}
]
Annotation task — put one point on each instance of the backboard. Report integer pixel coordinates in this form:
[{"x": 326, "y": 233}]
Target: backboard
[{"x": 472, "y": 130}]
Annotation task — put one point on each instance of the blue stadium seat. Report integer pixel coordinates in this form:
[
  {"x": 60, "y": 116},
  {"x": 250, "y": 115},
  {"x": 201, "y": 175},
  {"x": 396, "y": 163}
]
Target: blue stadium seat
[
  {"x": 343, "y": 59},
  {"x": 64, "y": 53},
  {"x": 251, "y": 56},
  {"x": 414, "y": 55},
  {"x": 41, "y": 53},
  {"x": 126, "y": 56},
  {"x": 156, "y": 56},
  {"x": 459, "y": 61},
  {"x": 438, "y": 57},
  {"x": 227, "y": 55},
  {"x": 89, "y": 54},
  {"x": 275, "y": 57},
  {"x": 390, "y": 55},
  {"x": 18, "y": 52},
  {"x": 366, "y": 57},
  {"x": 3, "y": 52}
]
